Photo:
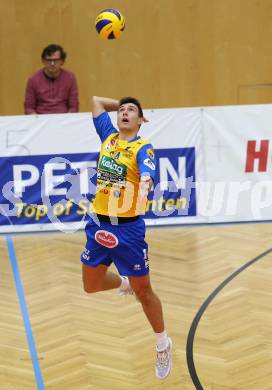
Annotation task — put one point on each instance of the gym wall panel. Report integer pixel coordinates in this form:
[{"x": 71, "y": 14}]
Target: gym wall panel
[{"x": 173, "y": 53}]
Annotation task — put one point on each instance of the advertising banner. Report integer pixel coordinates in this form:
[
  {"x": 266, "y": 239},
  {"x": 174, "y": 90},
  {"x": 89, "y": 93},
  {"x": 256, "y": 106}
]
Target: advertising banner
[
  {"x": 238, "y": 185},
  {"x": 213, "y": 166},
  {"x": 48, "y": 169}
]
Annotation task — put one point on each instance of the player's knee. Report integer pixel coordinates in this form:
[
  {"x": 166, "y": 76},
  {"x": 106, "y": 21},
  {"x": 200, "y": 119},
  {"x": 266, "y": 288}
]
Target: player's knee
[{"x": 144, "y": 294}]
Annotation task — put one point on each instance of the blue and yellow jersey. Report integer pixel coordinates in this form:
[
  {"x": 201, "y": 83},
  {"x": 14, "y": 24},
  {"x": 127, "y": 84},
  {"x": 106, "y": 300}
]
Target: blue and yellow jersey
[{"x": 120, "y": 166}]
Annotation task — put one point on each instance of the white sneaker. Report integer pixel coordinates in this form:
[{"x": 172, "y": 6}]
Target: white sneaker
[
  {"x": 164, "y": 361},
  {"x": 128, "y": 289}
]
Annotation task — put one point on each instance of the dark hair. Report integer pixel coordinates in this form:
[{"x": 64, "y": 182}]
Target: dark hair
[
  {"x": 129, "y": 99},
  {"x": 52, "y": 48}
]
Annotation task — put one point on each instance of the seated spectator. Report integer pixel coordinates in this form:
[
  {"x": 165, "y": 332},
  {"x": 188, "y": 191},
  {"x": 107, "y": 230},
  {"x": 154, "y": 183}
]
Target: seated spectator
[{"x": 51, "y": 89}]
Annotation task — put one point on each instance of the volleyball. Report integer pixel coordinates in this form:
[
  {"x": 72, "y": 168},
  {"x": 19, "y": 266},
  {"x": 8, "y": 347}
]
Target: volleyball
[{"x": 110, "y": 24}]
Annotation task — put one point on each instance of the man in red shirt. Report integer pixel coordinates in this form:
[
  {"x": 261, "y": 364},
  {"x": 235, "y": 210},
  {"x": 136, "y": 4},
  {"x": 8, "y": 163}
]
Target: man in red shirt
[{"x": 51, "y": 90}]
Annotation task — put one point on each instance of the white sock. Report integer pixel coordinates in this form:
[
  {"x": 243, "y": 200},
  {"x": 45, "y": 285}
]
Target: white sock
[
  {"x": 124, "y": 283},
  {"x": 162, "y": 340}
]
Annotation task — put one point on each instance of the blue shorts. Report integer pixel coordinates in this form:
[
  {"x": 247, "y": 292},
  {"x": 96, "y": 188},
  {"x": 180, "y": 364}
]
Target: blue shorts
[{"x": 123, "y": 244}]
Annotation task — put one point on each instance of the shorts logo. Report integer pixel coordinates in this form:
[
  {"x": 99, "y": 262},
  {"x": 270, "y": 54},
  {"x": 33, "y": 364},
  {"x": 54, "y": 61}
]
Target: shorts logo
[
  {"x": 106, "y": 239},
  {"x": 86, "y": 254},
  {"x": 137, "y": 267},
  {"x": 146, "y": 258}
]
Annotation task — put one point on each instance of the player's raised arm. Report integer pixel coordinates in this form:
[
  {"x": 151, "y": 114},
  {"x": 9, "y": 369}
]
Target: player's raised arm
[{"x": 101, "y": 104}]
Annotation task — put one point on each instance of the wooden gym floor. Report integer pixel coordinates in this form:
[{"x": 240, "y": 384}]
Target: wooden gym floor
[{"x": 54, "y": 336}]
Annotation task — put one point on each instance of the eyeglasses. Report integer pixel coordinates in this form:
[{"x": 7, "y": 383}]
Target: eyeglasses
[{"x": 52, "y": 60}]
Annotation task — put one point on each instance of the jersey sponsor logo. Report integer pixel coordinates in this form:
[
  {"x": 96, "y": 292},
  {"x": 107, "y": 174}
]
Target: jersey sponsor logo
[
  {"x": 107, "y": 147},
  {"x": 149, "y": 164},
  {"x": 109, "y": 165},
  {"x": 106, "y": 180},
  {"x": 150, "y": 152},
  {"x": 128, "y": 155},
  {"x": 117, "y": 156},
  {"x": 106, "y": 239}
]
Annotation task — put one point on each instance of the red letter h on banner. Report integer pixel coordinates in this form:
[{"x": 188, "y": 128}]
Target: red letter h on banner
[{"x": 261, "y": 155}]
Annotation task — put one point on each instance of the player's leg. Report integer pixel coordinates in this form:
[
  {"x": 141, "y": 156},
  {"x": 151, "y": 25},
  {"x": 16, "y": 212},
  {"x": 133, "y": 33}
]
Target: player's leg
[
  {"x": 150, "y": 301},
  {"x": 153, "y": 310},
  {"x": 131, "y": 259},
  {"x": 99, "y": 278}
]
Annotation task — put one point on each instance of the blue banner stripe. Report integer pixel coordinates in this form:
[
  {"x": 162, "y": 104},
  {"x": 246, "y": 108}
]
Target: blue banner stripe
[
  {"x": 30, "y": 182},
  {"x": 22, "y": 301}
]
